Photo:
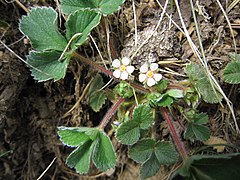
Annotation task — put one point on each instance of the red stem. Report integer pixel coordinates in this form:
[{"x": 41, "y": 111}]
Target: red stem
[
  {"x": 110, "y": 112},
  {"x": 173, "y": 131},
  {"x": 107, "y": 72}
]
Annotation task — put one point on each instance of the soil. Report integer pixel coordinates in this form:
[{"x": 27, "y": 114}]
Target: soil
[{"x": 30, "y": 112}]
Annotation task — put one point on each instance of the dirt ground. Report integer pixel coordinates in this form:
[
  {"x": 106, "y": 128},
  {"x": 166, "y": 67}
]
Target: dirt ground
[{"x": 30, "y": 112}]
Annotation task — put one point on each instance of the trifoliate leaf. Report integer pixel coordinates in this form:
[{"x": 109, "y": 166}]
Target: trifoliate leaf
[
  {"x": 210, "y": 167},
  {"x": 40, "y": 26},
  {"x": 81, "y": 22},
  {"x": 45, "y": 65},
  {"x": 124, "y": 89},
  {"x": 73, "y": 136},
  {"x": 196, "y": 131},
  {"x": 80, "y": 158},
  {"x": 143, "y": 115},
  {"x": 104, "y": 156},
  {"x": 231, "y": 73},
  {"x": 201, "y": 82},
  {"x": 128, "y": 133},
  {"x": 166, "y": 153},
  {"x": 150, "y": 167},
  {"x": 103, "y": 6},
  {"x": 175, "y": 93},
  {"x": 142, "y": 150},
  {"x": 152, "y": 154}
]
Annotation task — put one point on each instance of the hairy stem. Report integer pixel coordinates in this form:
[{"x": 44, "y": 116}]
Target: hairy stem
[
  {"x": 110, "y": 112},
  {"x": 106, "y": 71},
  {"x": 173, "y": 131}
]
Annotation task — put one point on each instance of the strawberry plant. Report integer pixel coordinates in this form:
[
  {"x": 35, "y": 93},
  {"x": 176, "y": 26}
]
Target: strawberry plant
[{"x": 143, "y": 98}]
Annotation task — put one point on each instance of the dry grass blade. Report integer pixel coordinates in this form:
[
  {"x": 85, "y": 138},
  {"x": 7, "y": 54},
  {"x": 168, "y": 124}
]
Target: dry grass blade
[
  {"x": 133, "y": 54},
  {"x": 44, "y": 172},
  {"x": 212, "y": 79}
]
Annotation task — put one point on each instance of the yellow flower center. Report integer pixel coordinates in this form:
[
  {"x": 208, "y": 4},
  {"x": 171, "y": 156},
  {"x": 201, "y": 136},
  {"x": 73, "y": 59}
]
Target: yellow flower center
[
  {"x": 122, "y": 68},
  {"x": 149, "y": 74}
]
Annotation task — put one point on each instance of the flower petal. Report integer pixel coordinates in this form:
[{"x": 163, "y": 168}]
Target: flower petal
[
  {"x": 154, "y": 66},
  {"x": 151, "y": 82},
  {"x": 116, "y": 63},
  {"x": 124, "y": 75},
  {"x": 157, "y": 77},
  {"x": 125, "y": 61},
  {"x": 142, "y": 77},
  {"x": 144, "y": 68},
  {"x": 130, "y": 69},
  {"x": 117, "y": 73}
]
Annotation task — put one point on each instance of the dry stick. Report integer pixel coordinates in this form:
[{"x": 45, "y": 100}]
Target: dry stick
[
  {"x": 135, "y": 22},
  {"x": 229, "y": 24},
  {"x": 79, "y": 99},
  {"x": 44, "y": 172},
  {"x": 212, "y": 79},
  {"x": 110, "y": 112},
  {"x": 173, "y": 131},
  {"x": 100, "y": 54},
  {"x": 22, "y": 6}
]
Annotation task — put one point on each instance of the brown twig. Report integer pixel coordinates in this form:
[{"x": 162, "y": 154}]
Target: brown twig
[{"x": 22, "y": 6}]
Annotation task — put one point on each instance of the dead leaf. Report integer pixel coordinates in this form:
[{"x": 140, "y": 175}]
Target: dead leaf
[{"x": 216, "y": 140}]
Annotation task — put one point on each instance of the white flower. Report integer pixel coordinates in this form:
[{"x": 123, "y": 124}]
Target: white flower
[
  {"x": 149, "y": 74},
  {"x": 122, "y": 68}
]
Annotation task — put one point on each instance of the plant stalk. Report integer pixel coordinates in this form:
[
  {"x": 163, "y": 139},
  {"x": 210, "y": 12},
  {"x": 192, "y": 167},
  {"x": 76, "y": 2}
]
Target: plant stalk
[
  {"x": 106, "y": 71},
  {"x": 110, "y": 112},
  {"x": 175, "y": 136}
]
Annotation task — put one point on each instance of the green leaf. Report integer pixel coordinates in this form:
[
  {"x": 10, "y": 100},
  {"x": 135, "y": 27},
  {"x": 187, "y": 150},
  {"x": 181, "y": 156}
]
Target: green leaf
[
  {"x": 97, "y": 98},
  {"x": 197, "y": 131},
  {"x": 93, "y": 133},
  {"x": 45, "y": 65},
  {"x": 175, "y": 93},
  {"x": 161, "y": 85},
  {"x": 73, "y": 136},
  {"x": 96, "y": 84},
  {"x": 164, "y": 101},
  {"x": 166, "y": 153},
  {"x": 80, "y": 158},
  {"x": 152, "y": 154},
  {"x": 142, "y": 150},
  {"x": 210, "y": 167},
  {"x": 201, "y": 82},
  {"x": 40, "y": 26},
  {"x": 104, "y": 156},
  {"x": 103, "y": 6},
  {"x": 231, "y": 73},
  {"x": 81, "y": 22},
  {"x": 128, "y": 133},
  {"x": 150, "y": 167},
  {"x": 124, "y": 89},
  {"x": 198, "y": 118},
  {"x": 143, "y": 115},
  {"x": 5, "y": 153}
]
